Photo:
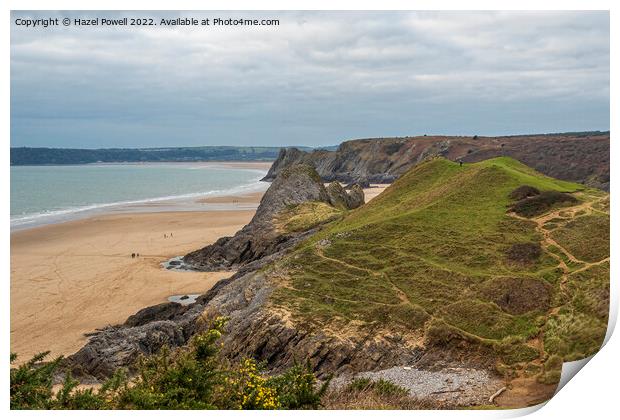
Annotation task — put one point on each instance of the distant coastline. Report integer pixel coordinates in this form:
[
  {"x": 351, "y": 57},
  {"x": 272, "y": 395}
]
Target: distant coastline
[
  {"x": 149, "y": 187},
  {"x": 60, "y": 156}
]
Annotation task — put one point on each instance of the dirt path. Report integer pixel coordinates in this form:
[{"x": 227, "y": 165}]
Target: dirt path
[{"x": 522, "y": 388}]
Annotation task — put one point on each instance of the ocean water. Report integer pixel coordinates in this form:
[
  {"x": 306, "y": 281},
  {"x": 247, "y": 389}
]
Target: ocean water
[{"x": 52, "y": 194}]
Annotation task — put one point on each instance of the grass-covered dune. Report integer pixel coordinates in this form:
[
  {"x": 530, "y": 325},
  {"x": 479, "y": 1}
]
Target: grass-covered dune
[{"x": 441, "y": 253}]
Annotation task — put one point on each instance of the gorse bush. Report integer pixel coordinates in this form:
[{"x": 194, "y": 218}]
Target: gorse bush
[
  {"x": 193, "y": 377},
  {"x": 31, "y": 383},
  {"x": 543, "y": 202},
  {"x": 297, "y": 388}
]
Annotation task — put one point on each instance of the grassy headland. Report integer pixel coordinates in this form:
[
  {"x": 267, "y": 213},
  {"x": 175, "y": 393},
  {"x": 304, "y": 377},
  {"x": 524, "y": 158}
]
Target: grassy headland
[{"x": 434, "y": 255}]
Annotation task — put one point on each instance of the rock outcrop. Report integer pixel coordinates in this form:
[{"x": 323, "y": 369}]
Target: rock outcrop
[
  {"x": 340, "y": 198},
  {"x": 253, "y": 329},
  {"x": 146, "y": 332},
  {"x": 296, "y": 184},
  {"x": 578, "y": 157},
  {"x": 356, "y": 196},
  {"x": 241, "y": 297}
]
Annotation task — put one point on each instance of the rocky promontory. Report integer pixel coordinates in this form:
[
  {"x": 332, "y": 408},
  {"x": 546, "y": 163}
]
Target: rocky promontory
[{"x": 297, "y": 184}]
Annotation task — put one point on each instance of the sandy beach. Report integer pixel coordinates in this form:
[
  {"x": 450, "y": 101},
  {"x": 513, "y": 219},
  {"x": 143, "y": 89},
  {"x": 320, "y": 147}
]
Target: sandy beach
[{"x": 71, "y": 278}]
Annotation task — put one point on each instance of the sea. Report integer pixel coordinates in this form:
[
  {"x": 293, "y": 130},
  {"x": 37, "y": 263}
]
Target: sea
[{"x": 52, "y": 194}]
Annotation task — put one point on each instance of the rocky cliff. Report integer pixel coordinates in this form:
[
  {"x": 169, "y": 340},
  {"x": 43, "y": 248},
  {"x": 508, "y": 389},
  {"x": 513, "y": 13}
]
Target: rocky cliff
[
  {"x": 296, "y": 184},
  {"x": 579, "y": 157},
  {"x": 264, "y": 240}
]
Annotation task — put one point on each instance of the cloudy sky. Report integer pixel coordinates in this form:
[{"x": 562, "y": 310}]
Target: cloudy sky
[{"x": 316, "y": 79}]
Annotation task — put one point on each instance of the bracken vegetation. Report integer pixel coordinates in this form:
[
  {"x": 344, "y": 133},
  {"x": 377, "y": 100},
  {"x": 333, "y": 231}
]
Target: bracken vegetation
[
  {"x": 526, "y": 253},
  {"x": 543, "y": 202},
  {"x": 524, "y": 191}
]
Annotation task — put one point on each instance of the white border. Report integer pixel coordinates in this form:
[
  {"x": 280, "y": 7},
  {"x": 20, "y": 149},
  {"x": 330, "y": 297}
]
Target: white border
[{"x": 593, "y": 394}]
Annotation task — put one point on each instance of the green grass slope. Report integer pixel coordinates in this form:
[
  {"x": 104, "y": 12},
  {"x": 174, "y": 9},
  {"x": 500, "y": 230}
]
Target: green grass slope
[{"x": 431, "y": 255}]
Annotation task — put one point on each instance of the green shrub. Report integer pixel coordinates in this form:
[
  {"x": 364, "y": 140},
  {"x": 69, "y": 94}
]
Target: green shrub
[
  {"x": 379, "y": 387},
  {"x": 513, "y": 350},
  {"x": 551, "y": 377},
  {"x": 552, "y": 370},
  {"x": 193, "y": 377},
  {"x": 296, "y": 388},
  {"x": 31, "y": 383}
]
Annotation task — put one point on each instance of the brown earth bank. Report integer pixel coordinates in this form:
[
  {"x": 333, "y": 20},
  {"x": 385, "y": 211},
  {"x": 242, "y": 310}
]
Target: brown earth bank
[{"x": 578, "y": 157}]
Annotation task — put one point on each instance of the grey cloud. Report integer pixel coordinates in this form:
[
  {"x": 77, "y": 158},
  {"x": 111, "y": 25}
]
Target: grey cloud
[{"x": 317, "y": 79}]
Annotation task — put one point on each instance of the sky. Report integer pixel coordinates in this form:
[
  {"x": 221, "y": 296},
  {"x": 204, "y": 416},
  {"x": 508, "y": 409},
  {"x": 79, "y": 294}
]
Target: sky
[{"x": 316, "y": 79}]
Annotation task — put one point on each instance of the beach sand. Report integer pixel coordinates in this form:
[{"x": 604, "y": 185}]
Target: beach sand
[
  {"x": 71, "y": 278},
  {"x": 373, "y": 191}
]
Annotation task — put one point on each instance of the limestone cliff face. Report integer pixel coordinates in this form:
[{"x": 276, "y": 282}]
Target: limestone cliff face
[
  {"x": 296, "y": 184},
  {"x": 582, "y": 158}
]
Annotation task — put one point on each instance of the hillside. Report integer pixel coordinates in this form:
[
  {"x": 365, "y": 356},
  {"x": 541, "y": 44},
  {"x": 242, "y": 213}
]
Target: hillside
[
  {"x": 484, "y": 275},
  {"x": 577, "y": 157},
  {"x": 437, "y": 273}
]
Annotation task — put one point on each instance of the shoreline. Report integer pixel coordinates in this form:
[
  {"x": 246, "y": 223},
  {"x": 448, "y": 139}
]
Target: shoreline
[
  {"x": 180, "y": 202},
  {"x": 85, "y": 267},
  {"x": 251, "y": 164}
]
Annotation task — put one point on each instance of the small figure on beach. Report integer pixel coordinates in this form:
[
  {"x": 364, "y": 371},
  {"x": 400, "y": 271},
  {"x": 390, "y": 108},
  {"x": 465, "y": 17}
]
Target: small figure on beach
[
  {"x": 133, "y": 255},
  {"x": 165, "y": 236},
  {"x": 460, "y": 162},
  {"x": 137, "y": 255},
  {"x": 171, "y": 234}
]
